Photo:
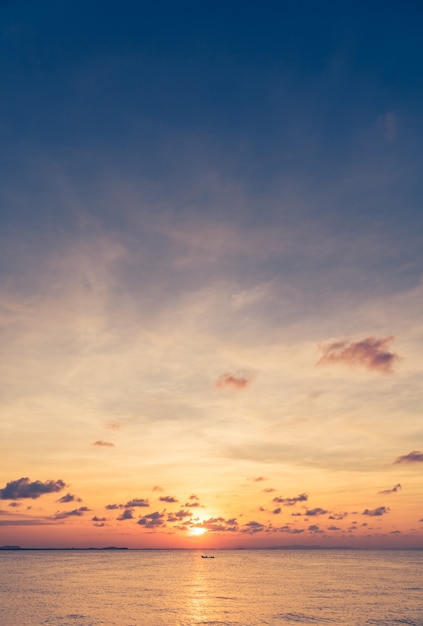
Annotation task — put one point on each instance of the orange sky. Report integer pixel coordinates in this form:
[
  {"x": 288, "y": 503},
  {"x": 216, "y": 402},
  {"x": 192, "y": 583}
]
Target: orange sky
[{"x": 211, "y": 277}]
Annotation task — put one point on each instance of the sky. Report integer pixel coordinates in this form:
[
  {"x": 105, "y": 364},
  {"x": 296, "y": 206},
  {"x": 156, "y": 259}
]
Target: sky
[{"x": 211, "y": 260}]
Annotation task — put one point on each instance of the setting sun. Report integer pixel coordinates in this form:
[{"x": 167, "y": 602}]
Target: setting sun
[{"x": 197, "y": 531}]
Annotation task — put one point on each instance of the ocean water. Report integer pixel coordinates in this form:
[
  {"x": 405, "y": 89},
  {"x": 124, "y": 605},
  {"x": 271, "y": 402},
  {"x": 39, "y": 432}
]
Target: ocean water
[{"x": 236, "y": 588}]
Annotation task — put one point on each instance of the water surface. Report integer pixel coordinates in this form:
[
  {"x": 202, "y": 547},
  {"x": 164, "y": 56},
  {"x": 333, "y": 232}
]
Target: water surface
[{"x": 236, "y": 588}]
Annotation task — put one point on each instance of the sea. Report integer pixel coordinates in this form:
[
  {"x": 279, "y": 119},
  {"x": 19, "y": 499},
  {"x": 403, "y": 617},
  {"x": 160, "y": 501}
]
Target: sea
[{"x": 234, "y": 588}]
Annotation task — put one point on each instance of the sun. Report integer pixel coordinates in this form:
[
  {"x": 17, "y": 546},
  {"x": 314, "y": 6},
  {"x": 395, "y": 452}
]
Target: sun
[{"x": 197, "y": 531}]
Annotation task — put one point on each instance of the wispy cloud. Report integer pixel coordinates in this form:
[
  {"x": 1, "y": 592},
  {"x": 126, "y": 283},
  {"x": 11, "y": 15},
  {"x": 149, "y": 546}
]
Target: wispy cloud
[
  {"x": 394, "y": 489},
  {"x": 389, "y": 124},
  {"x": 24, "y": 488},
  {"x": 104, "y": 444},
  {"x": 60, "y": 515},
  {"x": 412, "y": 457},
  {"x": 233, "y": 381},
  {"x": 370, "y": 353}
]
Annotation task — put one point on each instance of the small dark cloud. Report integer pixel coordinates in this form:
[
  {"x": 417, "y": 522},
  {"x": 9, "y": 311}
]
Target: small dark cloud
[
  {"x": 380, "y": 510},
  {"x": 98, "y": 519},
  {"x": 104, "y": 444},
  {"x": 313, "y": 528},
  {"x": 125, "y": 515},
  {"x": 192, "y": 504},
  {"x": 15, "y": 505},
  {"x": 69, "y": 497},
  {"x": 269, "y": 490},
  {"x": 152, "y": 520},
  {"x": 303, "y": 497},
  {"x": 371, "y": 353},
  {"x": 140, "y": 502},
  {"x": 157, "y": 488},
  {"x": 259, "y": 479},
  {"x": 113, "y": 507},
  {"x": 169, "y": 499},
  {"x": 315, "y": 511},
  {"x": 394, "y": 489},
  {"x": 24, "y": 488},
  {"x": 277, "y": 510},
  {"x": 333, "y": 528},
  {"x": 412, "y": 457},
  {"x": 233, "y": 381}
]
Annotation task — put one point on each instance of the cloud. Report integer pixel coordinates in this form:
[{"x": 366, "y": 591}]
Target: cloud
[
  {"x": 412, "y": 457},
  {"x": 269, "y": 490},
  {"x": 125, "y": 515},
  {"x": 157, "y": 488},
  {"x": 370, "y": 353},
  {"x": 394, "y": 489},
  {"x": 316, "y": 511},
  {"x": 389, "y": 124},
  {"x": 277, "y": 510},
  {"x": 24, "y": 488},
  {"x": 112, "y": 426},
  {"x": 219, "y": 524},
  {"x": 69, "y": 497},
  {"x": 381, "y": 510},
  {"x": 233, "y": 381},
  {"x": 194, "y": 501},
  {"x": 259, "y": 479},
  {"x": 253, "y": 527},
  {"x": 26, "y": 522},
  {"x": 314, "y": 529},
  {"x": 98, "y": 519},
  {"x": 152, "y": 520},
  {"x": 169, "y": 499},
  {"x": 303, "y": 497},
  {"x": 74, "y": 513},
  {"x": 180, "y": 515},
  {"x": 137, "y": 502},
  {"x": 104, "y": 444}
]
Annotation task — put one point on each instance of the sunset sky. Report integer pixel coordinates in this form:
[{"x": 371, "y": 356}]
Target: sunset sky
[{"x": 211, "y": 258}]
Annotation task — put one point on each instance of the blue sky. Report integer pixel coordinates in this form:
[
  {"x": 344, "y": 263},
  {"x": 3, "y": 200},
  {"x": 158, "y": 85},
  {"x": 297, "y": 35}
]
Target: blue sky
[{"x": 211, "y": 249}]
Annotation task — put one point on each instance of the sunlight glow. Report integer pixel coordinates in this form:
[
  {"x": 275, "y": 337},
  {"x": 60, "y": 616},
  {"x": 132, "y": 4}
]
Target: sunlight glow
[{"x": 197, "y": 531}]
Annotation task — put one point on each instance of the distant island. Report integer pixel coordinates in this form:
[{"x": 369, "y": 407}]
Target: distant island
[{"x": 19, "y": 548}]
